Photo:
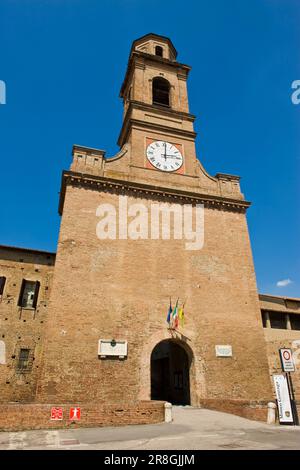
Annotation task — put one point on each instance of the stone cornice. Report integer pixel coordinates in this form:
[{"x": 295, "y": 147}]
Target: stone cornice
[
  {"x": 162, "y": 111},
  {"x": 81, "y": 148},
  {"x": 156, "y": 127},
  {"x": 159, "y": 109},
  {"x": 227, "y": 177},
  {"x": 147, "y": 190}
]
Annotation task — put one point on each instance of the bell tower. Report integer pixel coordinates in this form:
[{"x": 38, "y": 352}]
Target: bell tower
[
  {"x": 118, "y": 286},
  {"x": 156, "y": 108}
]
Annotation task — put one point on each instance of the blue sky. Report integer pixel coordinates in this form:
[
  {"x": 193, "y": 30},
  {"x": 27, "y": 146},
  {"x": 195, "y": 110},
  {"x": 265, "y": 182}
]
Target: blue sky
[{"x": 63, "y": 62}]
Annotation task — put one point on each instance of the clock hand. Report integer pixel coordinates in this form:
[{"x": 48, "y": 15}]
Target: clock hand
[
  {"x": 173, "y": 156},
  {"x": 165, "y": 151}
]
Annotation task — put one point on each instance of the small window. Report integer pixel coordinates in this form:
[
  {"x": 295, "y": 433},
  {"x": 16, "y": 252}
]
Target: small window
[
  {"x": 23, "y": 363},
  {"x": 278, "y": 320},
  {"x": 295, "y": 321},
  {"x": 159, "y": 51},
  {"x": 29, "y": 294},
  {"x": 2, "y": 284},
  {"x": 161, "y": 91}
]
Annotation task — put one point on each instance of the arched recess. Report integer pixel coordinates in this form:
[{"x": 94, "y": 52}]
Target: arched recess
[
  {"x": 170, "y": 372},
  {"x": 145, "y": 366}
]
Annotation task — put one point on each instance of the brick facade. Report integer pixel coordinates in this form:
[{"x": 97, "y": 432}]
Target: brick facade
[
  {"x": 19, "y": 417},
  {"x": 120, "y": 288},
  {"x": 22, "y": 327}
]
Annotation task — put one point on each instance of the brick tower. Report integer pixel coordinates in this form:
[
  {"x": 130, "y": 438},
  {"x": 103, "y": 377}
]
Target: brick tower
[{"x": 117, "y": 290}]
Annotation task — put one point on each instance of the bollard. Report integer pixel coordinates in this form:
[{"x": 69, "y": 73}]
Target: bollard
[
  {"x": 271, "y": 413},
  {"x": 168, "y": 412}
]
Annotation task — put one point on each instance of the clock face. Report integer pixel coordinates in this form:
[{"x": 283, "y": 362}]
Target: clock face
[{"x": 164, "y": 156}]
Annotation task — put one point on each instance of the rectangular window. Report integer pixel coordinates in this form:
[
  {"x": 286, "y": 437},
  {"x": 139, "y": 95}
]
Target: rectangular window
[
  {"x": 295, "y": 321},
  {"x": 23, "y": 363},
  {"x": 2, "y": 284},
  {"x": 278, "y": 320},
  {"x": 29, "y": 294}
]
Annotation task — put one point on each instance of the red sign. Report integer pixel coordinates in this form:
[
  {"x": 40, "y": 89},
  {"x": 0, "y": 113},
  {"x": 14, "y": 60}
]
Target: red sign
[
  {"x": 287, "y": 355},
  {"x": 287, "y": 361},
  {"x": 56, "y": 414},
  {"x": 75, "y": 413}
]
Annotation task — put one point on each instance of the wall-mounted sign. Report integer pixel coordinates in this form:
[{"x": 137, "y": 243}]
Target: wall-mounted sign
[
  {"x": 112, "y": 347},
  {"x": 56, "y": 414},
  {"x": 223, "y": 350},
  {"x": 287, "y": 361},
  {"x": 75, "y": 413},
  {"x": 283, "y": 399}
]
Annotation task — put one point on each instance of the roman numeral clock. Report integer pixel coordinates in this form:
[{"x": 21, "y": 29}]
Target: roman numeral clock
[{"x": 164, "y": 156}]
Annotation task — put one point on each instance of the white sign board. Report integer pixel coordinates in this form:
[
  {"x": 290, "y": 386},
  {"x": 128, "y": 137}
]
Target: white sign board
[
  {"x": 287, "y": 361},
  {"x": 283, "y": 399},
  {"x": 223, "y": 350},
  {"x": 108, "y": 347}
]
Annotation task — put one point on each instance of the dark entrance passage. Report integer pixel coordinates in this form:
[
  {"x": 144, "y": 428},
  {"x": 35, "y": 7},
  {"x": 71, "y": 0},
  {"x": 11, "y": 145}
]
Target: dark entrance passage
[{"x": 170, "y": 373}]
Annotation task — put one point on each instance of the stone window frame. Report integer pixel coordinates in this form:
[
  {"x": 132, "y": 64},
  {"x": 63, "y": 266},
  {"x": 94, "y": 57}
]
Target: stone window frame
[{"x": 35, "y": 298}]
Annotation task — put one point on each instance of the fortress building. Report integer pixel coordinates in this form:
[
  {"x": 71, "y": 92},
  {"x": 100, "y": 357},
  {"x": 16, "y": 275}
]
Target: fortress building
[{"x": 89, "y": 323}]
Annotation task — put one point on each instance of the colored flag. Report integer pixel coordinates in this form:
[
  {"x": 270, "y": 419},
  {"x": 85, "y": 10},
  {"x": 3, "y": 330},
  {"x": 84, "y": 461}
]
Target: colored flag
[
  {"x": 181, "y": 315},
  {"x": 175, "y": 315},
  {"x": 169, "y": 313}
]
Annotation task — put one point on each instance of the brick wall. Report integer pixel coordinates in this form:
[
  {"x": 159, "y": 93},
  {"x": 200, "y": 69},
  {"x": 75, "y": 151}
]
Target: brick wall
[
  {"x": 22, "y": 328},
  {"x": 128, "y": 284},
  {"x": 256, "y": 410},
  {"x": 18, "y": 417}
]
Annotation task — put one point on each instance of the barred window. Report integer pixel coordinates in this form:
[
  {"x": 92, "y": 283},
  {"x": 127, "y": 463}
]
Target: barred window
[
  {"x": 29, "y": 294},
  {"x": 23, "y": 363}
]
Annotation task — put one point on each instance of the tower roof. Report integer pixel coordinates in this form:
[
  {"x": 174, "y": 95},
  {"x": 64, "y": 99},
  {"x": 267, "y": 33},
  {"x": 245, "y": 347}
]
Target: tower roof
[{"x": 154, "y": 36}]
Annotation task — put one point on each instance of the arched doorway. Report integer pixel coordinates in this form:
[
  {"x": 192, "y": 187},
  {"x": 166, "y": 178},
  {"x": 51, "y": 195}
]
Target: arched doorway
[{"x": 170, "y": 373}]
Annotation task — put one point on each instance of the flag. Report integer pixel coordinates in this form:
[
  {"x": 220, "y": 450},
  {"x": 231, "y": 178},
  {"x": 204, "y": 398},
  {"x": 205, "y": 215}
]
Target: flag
[
  {"x": 175, "y": 315},
  {"x": 169, "y": 313},
  {"x": 181, "y": 315}
]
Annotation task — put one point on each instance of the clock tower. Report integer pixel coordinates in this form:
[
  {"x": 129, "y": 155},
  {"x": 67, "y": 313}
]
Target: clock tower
[
  {"x": 156, "y": 109},
  {"x": 115, "y": 291}
]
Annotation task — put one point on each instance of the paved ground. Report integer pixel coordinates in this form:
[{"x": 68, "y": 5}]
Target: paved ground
[{"x": 192, "y": 429}]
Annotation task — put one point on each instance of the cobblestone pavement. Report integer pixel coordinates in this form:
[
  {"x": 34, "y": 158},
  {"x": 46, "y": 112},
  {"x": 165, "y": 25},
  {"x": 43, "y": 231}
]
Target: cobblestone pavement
[{"x": 191, "y": 429}]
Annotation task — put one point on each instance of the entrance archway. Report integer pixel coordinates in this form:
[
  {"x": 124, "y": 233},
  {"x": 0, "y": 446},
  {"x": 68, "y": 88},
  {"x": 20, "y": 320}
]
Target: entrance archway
[{"x": 170, "y": 373}]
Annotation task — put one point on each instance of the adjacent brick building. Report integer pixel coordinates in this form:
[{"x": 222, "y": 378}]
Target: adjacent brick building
[{"x": 118, "y": 289}]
